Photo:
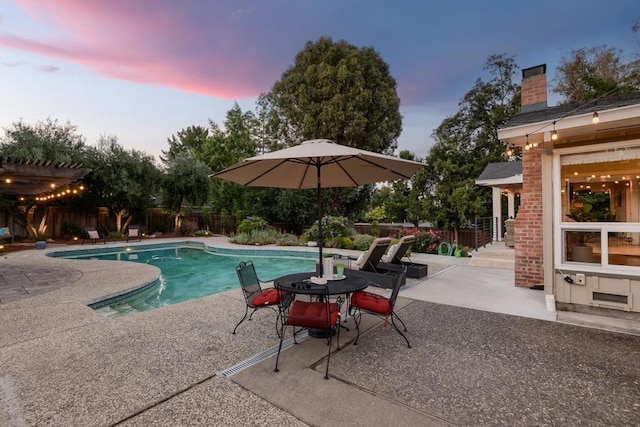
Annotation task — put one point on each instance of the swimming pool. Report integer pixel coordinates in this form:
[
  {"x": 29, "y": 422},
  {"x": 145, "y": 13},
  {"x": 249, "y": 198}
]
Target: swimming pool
[{"x": 189, "y": 272}]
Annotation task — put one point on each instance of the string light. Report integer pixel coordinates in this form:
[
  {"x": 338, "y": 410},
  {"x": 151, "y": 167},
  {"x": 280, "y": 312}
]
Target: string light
[
  {"x": 596, "y": 118},
  {"x": 59, "y": 193},
  {"x": 554, "y": 134},
  {"x": 527, "y": 146}
]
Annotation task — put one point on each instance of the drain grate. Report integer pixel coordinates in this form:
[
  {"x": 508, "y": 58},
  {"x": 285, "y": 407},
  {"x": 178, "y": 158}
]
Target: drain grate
[{"x": 261, "y": 356}]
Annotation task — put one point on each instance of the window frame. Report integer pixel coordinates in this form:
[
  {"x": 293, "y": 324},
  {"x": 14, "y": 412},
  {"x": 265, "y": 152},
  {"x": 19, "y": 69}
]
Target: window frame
[{"x": 560, "y": 226}]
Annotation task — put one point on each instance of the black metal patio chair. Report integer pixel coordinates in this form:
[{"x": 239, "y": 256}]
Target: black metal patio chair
[
  {"x": 255, "y": 296},
  {"x": 321, "y": 315},
  {"x": 378, "y": 305}
]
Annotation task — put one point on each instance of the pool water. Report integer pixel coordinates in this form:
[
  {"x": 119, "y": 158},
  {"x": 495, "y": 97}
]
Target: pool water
[{"x": 189, "y": 273}]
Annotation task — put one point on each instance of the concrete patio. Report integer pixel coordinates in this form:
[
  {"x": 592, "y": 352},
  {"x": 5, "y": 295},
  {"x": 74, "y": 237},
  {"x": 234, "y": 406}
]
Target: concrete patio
[{"x": 483, "y": 353}]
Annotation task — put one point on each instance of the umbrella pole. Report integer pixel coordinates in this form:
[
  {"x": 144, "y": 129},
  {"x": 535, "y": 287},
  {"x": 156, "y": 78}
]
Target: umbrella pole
[{"x": 320, "y": 235}]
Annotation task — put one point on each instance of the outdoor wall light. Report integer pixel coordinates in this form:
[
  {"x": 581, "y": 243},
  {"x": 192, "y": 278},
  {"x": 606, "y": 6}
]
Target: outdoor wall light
[{"x": 596, "y": 118}]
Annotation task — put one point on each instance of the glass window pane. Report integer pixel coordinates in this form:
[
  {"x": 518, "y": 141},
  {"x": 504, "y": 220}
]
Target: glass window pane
[
  {"x": 582, "y": 246},
  {"x": 605, "y": 191}
]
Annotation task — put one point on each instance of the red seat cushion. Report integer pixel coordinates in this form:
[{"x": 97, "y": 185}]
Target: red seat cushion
[
  {"x": 371, "y": 302},
  {"x": 313, "y": 314},
  {"x": 266, "y": 297}
]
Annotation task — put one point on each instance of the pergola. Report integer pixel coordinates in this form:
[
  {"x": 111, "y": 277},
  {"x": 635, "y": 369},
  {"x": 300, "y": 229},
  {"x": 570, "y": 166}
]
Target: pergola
[{"x": 37, "y": 177}]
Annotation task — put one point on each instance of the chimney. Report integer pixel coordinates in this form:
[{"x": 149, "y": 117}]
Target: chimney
[{"x": 534, "y": 89}]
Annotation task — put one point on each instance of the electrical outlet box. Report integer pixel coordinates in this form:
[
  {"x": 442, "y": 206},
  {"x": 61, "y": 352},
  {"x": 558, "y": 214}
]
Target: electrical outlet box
[{"x": 580, "y": 279}]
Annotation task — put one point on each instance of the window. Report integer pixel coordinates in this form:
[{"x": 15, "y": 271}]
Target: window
[{"x": 600, "y": 207}]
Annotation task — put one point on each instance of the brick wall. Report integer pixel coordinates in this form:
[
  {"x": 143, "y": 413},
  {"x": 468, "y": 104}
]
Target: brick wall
[
  {"x": 534, "y": 90},
  {"x": 528, "y": 227}
]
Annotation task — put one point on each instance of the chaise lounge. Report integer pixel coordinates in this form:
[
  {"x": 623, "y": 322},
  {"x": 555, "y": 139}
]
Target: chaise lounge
[
  {"x": 368, "y": 265},
  {"x": 395, "y": 255}
]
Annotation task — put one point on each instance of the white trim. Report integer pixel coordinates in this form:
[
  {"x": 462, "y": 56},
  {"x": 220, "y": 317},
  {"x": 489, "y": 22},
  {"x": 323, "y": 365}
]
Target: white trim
[
  {"x": 615, "y": 155},
  {"x": 607, "y": 117},
  {"x": 515, "y": 179}
]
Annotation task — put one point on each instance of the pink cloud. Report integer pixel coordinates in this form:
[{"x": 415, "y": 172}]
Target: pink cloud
[{"x": 166, "y": 44}]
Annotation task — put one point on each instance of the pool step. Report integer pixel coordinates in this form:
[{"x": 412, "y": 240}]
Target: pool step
[{"x": 118, "y": 310}]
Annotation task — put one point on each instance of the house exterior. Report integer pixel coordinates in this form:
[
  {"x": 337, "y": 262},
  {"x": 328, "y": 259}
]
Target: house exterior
[
  {"x": 577, "y": 231},
  {"x": 505, "y": 179}
]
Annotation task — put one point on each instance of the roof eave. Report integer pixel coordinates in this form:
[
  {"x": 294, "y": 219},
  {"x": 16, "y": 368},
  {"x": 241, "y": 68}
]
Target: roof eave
[{"x": 608, "y": 119}]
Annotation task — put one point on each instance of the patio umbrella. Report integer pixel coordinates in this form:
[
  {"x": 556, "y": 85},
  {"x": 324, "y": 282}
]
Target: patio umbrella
[{"x": 318, "y": 163}]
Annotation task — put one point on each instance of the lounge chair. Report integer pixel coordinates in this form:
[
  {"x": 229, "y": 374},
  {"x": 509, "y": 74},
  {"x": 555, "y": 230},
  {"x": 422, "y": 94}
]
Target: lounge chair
[
  {"x": 5, "y": 234},
  {"x": 393, "y": 259},
  {"x": 398, "y": 251},
  {"x": 91, "y": 234},
  {"x": 369, "y": 259},
  {"x": 369, "y": 265},
  {"x": 133, "y": 232}
]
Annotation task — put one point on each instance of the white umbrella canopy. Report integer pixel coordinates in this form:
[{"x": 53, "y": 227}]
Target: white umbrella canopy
[
  {"x": 318, "y": 163},
  {"x": 299, "y": 167}
]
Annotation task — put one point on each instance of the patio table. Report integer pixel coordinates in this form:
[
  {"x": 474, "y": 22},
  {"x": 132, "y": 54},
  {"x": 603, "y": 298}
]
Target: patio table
[{"x": 352, "y": 282}]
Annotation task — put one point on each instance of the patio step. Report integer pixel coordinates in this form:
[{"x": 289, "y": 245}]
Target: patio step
[{"x": 494, "y": 255}]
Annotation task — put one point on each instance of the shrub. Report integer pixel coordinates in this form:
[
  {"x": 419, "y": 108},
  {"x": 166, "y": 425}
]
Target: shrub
[
  {"x": 426, "y": 241},
  {"x": 332, "y": 226},
  {"x": 347, "y": 243},
  {"x": 361, "y": 242},
  {"x": 252, "y": 223},
  {"x": 287, "y": 239},
  {"x": 69, "y": 230},
  {"x": 375, "y": 229},
  {"x": 158, "y": 227},
  {"x": 241, "y": 239},
  {"x": 188, "y": 228},
  {"x": 266, "y": 236}
]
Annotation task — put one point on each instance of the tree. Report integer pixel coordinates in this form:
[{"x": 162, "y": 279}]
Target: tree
[
  {"x": 46, "y": 140},
  {"x": 125, "y": 181},
  {"x": 335, "y": 91},
  {"x": 465, "y": 143},
  {"x": 235, "y": 142},
  {"x": 185, "y": 180},
  {"x": 225, "y": 147},
  {"x": 588, "y": 74},
  {"x": 190, "y": 140}
]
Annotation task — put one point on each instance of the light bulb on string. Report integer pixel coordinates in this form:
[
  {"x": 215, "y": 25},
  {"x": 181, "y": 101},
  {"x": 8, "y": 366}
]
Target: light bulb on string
[{"x": 554, "y": 134}]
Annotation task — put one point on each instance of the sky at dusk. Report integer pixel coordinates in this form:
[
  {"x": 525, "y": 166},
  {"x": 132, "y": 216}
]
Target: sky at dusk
[{"x": 143, "y": 70}]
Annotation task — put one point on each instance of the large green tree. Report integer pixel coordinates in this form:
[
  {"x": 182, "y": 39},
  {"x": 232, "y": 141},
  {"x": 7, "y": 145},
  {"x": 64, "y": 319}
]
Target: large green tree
[
  {"x": 125, "y": 181},
  {"x": 335, "y": 91},
  {"x": 226, "y": 145},
  {"x": 186, "y": 180},
  {"x": 191, "y": 140},
  {"x": 465, "y": 143},
  {"x": 589, "y": 73},
  {"x": 46, "y": 140}
]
